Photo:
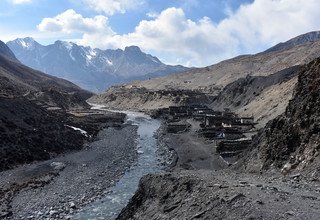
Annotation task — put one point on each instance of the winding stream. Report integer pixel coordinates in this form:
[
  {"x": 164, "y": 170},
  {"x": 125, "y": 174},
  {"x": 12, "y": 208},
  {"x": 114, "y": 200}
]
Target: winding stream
[{"x": 110, "y": 206}]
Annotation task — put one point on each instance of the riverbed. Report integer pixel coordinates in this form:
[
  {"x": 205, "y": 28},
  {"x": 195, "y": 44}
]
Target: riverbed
[{"x": 148, "y": 162}]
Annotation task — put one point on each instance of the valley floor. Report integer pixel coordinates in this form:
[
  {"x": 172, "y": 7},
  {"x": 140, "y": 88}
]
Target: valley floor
[{"x": 201, "y": 186}]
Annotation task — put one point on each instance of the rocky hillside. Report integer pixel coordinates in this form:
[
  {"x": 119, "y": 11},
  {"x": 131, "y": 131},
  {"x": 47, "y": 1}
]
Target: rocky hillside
[
  {"x": 20, "y": 80},
  {"x": 33, "y": 114},
  {"x": 264, "y": 97},
  {"x": 291, "y": 141},
  {"x": 92, "y": 69}
]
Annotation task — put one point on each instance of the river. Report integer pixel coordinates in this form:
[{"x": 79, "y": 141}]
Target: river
[{"x": 148, "y": 162}]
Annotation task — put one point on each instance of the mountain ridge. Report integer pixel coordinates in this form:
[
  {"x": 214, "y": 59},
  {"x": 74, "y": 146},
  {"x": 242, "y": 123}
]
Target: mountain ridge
[
  {"x": 301, "y": 39},
  {"x": 90, "y": 68}
]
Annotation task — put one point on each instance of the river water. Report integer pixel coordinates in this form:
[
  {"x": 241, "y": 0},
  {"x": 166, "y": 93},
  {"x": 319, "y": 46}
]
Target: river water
[{"x": 148, "y": 162}]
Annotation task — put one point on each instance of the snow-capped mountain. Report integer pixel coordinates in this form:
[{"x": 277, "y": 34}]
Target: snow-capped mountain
[{"x": 92, "y": 69}]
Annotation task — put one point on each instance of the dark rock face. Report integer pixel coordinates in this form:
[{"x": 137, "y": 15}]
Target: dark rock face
[
  {"x": 29, "y": 132},
  {"x": 92, "y": 69},
  {"x": 293, "y": 137}
]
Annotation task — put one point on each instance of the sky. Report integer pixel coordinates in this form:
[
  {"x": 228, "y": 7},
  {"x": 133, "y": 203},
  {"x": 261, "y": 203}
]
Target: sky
[{"x": 187, "y": 32}]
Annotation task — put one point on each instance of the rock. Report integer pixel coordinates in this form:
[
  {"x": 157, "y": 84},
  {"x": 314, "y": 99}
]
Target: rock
[
  {"x": 235, "y": 197},
  {"x": 286, "y": 168},
  {"x": 53, "y": 212},
  {"x": 295, "y": 176},
  {"x": 5, "y": 214},
  {"x": 290, "y": 213},
  {"x": 259, "y": 202},
  {"x": 58, "y": 166},
  {"x": 72, "y": 205},
  {"x": 140, "y": 152}
]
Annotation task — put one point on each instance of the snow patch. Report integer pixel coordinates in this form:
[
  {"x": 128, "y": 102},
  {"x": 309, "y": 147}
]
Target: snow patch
[
  {"x": 91, "y": 54},
  {"x": 23, "y": 43},
  {"x": 27, "y": 45},
  {"x": 109, "y": 62},
  {"x": 83, "y": 132},
  {"x": 67, "y": 45},
  {"x": 153, "y": 59},
  {"x": 72, "y": 57}
]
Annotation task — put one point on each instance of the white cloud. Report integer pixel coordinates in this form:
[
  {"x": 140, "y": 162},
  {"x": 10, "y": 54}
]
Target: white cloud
[
  {"x": 70, "y": 22},
  {"x": 172, "y": 33},
  {"x": 111, "y": 7},
  {"x": 251, "y": 28},
  {"x": 152, "y": 14},
  {"x": 17, "y": 2},
  {"x": 267, "y": 22}
]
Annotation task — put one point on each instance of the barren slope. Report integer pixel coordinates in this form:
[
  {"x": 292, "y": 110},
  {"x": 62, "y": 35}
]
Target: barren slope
[{"x": 219, "y": 75}]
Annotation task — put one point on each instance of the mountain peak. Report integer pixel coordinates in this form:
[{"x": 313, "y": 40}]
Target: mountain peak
[
  {"x": 65, "y": 44},
  {"x": 27, "y": 43},
  {"x": 132, "y": 49}
]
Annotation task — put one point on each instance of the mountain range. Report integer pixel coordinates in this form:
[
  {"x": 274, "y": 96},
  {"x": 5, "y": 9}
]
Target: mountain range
[{"x": 91, "y": 69}]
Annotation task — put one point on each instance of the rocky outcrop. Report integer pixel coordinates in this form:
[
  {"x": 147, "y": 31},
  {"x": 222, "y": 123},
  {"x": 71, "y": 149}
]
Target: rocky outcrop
[
  {"x": 180, "y": 196},
  {"x": 291, "y": 141}
]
